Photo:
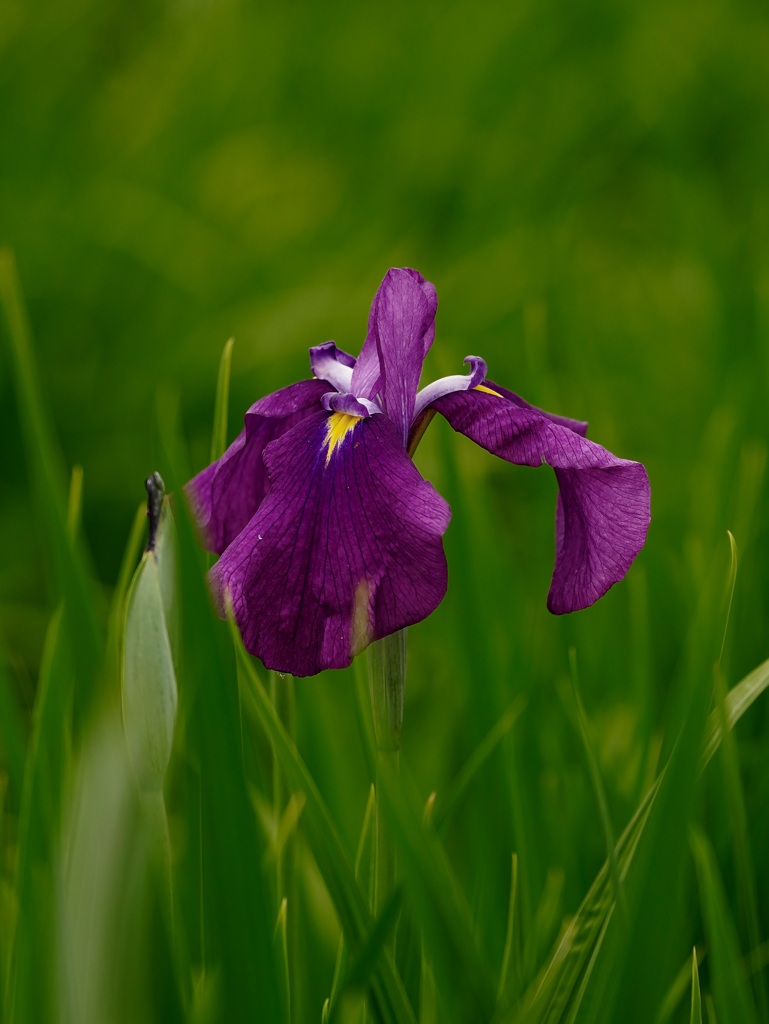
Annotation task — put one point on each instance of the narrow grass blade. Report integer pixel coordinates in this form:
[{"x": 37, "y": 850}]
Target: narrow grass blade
[
  {"x": 32, "y": 992},
  {"x": 549, "y": 914},
  {"x": 428, "y": 997},
  {"x": 462, "y": 975},
  {"x": 377, "y": 941},
  {"x": 447, "y": 803},
  {"x": 235, "y": 906},
  {"x": 219, "y": 433},
  {"x": 328, "y": 849},
  {"x": 730, "y": 584},
  {"x": 48, "y": 479},
  {"x": 695, "y": 1015},
  {"x": 735, "y": 813},
  {"x": 736, "y": 703},
  {"x": 506, "y": 987},
  {"x": 731, "y": 992},
  {"x": 557, "y": 993},
  {"x": 679, "y": 990},
  {"x": 559, "y": 979},
  {"x": 553, "y": 991},
  {"x": 280, "y": 947},
  {"x": 365, "y": 878},
  {"x": 13, "y": 738},
  {"x": 597, "y": 783}
]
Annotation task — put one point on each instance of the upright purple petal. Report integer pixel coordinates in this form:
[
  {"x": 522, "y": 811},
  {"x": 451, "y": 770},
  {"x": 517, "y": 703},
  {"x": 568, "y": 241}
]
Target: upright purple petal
[
  {"x": 403, "y": 317},
  {"x": 227, "y": 493},
  {"x": 367, "y": 380},
  {"x": 604, "y": 502},
  {"x": 346, "y": 547},
  {"x": 432, "y": 304},
  {"x": 367, "y": 374}
]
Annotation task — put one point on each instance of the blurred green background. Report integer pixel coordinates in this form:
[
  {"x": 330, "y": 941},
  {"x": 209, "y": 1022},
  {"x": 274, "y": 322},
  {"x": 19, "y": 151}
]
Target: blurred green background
[{"x": 587, "y": 185}]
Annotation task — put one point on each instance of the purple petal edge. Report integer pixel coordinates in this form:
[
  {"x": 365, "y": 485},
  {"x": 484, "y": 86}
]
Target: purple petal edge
[
  {"x": 603, "y": 511},
  {"x": 227, "y": 493}
]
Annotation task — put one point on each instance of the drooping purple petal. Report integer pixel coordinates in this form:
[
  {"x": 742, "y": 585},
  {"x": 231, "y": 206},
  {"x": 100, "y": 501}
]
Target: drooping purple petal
[
  {"x": 346, "y": 547},
  {"x": 604, "y": 502},
  {"x": 331, "y": 364},
  {"x": 403, "y": 317},
  {"x": 227, "y": 493}
]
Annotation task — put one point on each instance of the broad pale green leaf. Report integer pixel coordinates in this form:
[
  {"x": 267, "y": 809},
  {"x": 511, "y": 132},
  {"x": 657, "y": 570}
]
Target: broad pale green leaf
[
  {"x": 149, "y": 678},
  {"x": 103, "y": 951}
]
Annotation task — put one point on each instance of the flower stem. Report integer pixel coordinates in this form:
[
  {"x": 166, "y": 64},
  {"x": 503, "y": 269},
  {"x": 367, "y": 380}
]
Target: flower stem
[
  {"x": 387, "y": 681},
  {"x": 282, "y": 695}
]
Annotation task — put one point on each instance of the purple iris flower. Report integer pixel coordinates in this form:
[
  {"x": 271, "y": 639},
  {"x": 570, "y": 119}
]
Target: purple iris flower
[{"x": 328, "y": 535}]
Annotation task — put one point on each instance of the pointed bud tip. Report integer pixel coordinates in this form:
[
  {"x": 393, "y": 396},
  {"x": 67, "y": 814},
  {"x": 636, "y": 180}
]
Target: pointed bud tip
[{"x": 155, "y": 493}]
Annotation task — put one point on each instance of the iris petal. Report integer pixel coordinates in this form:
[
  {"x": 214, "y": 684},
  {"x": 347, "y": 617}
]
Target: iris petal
[
  {"x": 331, "y": 364},
  {"x": 403, "y": 317},
  {"x": 454, "y": 382},
  {"x": 334, "y": 402},
  {"x": 339, "y": 553},
  {"x": 370, "y": 370},
  {"x": 227, "y": 493},
  {"x": 431, "y": 295},
  {"x": 604, "y": 502}
]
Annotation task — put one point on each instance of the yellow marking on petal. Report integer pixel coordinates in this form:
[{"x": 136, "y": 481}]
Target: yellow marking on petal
[
  {"x": 338, "y": 427},
  {"x": 482, "y": 387}
]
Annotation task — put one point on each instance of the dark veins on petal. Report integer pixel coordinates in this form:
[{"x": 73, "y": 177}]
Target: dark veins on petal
[{"x": 337, "y": 554}]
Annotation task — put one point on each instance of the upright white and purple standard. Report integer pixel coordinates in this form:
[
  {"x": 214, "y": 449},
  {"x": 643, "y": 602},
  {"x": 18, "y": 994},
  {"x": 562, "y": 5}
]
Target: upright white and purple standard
[{"x": 330, "y": 538}]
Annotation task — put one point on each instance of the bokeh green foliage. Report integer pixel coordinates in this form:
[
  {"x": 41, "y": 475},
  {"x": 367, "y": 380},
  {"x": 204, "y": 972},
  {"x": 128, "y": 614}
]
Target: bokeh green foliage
[{"x": 588, "y": 186}]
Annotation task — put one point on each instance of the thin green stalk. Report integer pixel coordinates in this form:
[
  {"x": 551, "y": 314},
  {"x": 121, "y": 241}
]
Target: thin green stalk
[
  {"x": 386, "y": 870},
  {"x": 282, "y": 697},
  {"x": 387, "y": 682}
]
